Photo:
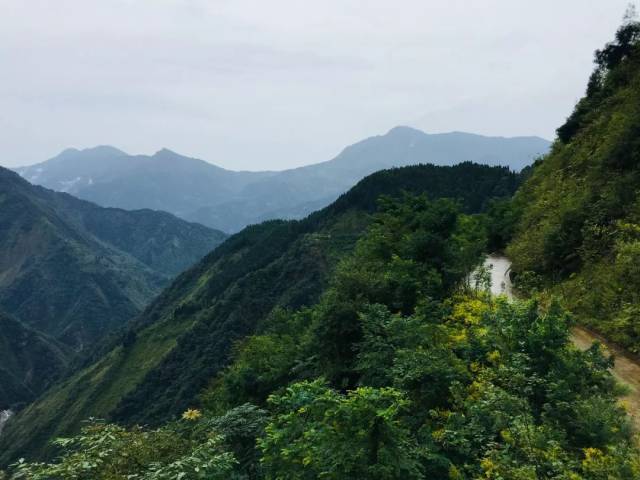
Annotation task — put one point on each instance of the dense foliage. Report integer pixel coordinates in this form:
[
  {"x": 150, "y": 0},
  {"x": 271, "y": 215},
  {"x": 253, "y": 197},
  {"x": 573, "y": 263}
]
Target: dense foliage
[
  {"x": 187, "y": 335},
  {"x": 579, "y": 227},
  {"x": 398, "y": 371},
  {"x": 285, "y": 264}
]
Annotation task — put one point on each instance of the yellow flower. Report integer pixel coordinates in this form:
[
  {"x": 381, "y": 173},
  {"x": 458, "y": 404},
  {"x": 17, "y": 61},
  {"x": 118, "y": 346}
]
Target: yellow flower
[
  {"x": 593, "y": 458},
  {"x": 469, "y": 311},
  {"x": 488, "y": 466},
  {"x": 476, "y": 389},
  {"x": 482, "y": 332},
  {"x": 454, "y": 473},
  {"x": 493, "y": 357},
  {"x": 441, "y": 413},
  {"x": 591, "y": 453},
  {"x": 506, "y": 436},
  {"x": 192, "y": 414},
  {"x": 459, "y": 337},
  {"x": 624, "y": 404}
]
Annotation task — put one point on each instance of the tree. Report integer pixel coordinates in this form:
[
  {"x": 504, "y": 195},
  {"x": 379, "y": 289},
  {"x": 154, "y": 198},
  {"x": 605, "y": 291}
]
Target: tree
[
  {"x": 110, "y": 452},
  {"x": 317, "y": 432}
]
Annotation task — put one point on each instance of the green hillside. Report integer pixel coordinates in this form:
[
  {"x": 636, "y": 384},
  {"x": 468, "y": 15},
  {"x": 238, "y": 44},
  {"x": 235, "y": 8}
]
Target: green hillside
[
  {"x": 579, "y": 228},
  {"x": 184, "y": 338},
  {"x": 75, "y": 271},
  {"x": 29, "y": 362},
  {"x": 399, "y": 370}
]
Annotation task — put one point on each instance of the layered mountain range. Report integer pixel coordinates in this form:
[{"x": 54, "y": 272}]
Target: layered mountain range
[
  {"x": 229, "y": 200},
  {"x": 362, "y": 341}
]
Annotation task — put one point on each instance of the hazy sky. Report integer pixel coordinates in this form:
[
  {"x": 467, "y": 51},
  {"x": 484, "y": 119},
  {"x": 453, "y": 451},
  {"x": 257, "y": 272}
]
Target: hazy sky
[{"x": 275, "y": 84}]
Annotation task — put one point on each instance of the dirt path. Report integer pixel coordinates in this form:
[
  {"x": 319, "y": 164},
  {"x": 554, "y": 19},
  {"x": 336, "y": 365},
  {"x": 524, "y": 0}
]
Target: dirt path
[{"x": 626, "y": 368}]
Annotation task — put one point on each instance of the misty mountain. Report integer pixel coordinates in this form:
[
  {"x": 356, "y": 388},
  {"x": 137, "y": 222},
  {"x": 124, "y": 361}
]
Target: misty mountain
[
  {"x": 73, "y": 270},
  {"x": 228, "y": 200}
]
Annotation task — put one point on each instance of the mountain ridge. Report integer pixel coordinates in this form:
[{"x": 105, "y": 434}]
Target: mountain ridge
[
  {"x": 229, "y": 200},
  {"x": 185, "y": 336},
  {"x": 73, "y": 270}
]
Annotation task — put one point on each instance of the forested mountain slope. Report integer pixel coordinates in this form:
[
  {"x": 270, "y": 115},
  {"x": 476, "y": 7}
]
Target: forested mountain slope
[
  {"x": 74, "y": 271},
  {"x": 29, "y": 362},
  {"x": 230, "y": 200},
  {"x": 184, "y": 338},
  {"x": 579, "y": 227},
  {"x": 399, "y": 370}
]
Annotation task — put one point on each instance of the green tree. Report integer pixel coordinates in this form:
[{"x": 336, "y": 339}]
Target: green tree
[
  {"x": 317, "y": 432},
  {"x": 110, "y": 452}
]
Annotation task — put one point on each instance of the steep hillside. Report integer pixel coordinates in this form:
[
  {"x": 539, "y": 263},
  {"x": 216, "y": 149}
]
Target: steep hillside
[
  {"x": 400, "y": 370},
  {"x": 184, "y": 338},
  {"x": 29, "y": 362},
  {"x": 229, "y": 200},
  {"x": 579, "y": 228},
  {"x": 74, "y": 271}
]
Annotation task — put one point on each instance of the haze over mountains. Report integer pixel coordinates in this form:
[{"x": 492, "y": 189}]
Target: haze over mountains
[
  {"x": 375, "y": 338},
  {"x": 73, "y": 270},
  {"x": 229, "y": 200}
]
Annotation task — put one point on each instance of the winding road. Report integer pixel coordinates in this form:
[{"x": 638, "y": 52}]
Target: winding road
[{"x": 626, "y": 368}]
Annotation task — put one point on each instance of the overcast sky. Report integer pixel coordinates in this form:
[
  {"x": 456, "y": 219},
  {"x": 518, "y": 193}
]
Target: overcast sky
[{"x": 275, "y": 84}]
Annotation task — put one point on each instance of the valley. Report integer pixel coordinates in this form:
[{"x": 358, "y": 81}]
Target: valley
[
  {"x": 228, "y": 295},
  {"x": 163, "y": 318}
]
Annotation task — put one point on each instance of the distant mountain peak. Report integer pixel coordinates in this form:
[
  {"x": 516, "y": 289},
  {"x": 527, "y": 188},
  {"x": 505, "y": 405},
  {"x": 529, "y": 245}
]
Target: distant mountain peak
[
  {"x": 165, "y": 154},
  {"x": 229, "y": 200},
  {"x": 165, "y": 151},
  {"x": 97, "y": 150},
  {"x": 405, "y": 130},
  {"x": 68, "y": 151},
  {"x": 105, "y": 149}
]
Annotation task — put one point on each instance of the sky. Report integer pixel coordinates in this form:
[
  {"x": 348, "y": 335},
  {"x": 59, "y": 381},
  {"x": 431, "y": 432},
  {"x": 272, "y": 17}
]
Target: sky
[{"x": 257, "y": 85}]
